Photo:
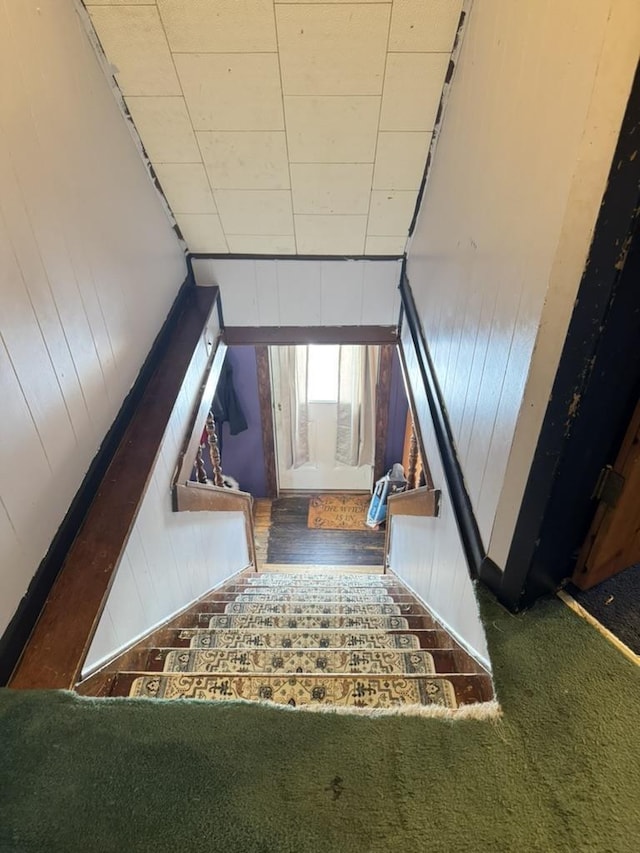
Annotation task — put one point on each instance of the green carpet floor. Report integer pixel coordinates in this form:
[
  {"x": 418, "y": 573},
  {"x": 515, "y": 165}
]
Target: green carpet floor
[{"x": 559, "y": 772}]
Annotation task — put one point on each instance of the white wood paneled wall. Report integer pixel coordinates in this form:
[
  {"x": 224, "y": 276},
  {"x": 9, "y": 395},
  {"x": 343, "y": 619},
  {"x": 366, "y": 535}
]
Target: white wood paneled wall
[
  {"x": 503, "y": 233},
  {"x": 89, "y": 267},
  {"x": 171, "y": 558},
  {"x": 312, "y": 292},
  {"x": 426, "y": 552}
]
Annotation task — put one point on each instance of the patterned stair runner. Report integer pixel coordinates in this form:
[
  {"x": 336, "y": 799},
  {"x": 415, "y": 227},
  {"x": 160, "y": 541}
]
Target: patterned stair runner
[{"x": 308, "y": 638}]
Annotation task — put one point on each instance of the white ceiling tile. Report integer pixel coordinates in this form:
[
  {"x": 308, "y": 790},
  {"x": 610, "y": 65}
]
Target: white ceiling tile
[
  {"x": 165, "y": 129},
  {"x": 332, "y": 49},
  {"x": 424, "y": 25},
  {"x": 331, "y": 130},
  {"x": 232, "y": 91},
  {"x": 260, "y": 212},
  {"x": 392, "y": 245},
  {"x": 219, "y": 26},
  {"x": 241, "y": 244},
  {"x": 325, "y": 188},
  {"x": 391, "y": 213},
  {"x": 202, "y": 232},
  {"x": 134, "y": 42},
  {"x": 186, "y": 187},
  {"x": 412, "y": 89},
  {"x": 400, "y": 160},
  {"x": 245, "y": 159},
  {"x": 330, "y": 235}
]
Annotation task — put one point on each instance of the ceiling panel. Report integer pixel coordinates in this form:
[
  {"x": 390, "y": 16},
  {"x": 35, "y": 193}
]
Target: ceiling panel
[
  {"x": 424, "y": 25},
  {"x": 333, "y": 129},
  {"x": 219, "y": 26},
  {"x": 232, "y": 91},
  {"x": 400, "y": 159},
  {"x": 299, "y": 126},
  {"x": 165, "y": 129},
  {"x": 186, "y": 187},
  {"x": 391, "y": 212},
  {"x": 331, "y": 187},
  {"x": 332, "y": 49},
  {"x": 133, "y": 39},
  {"x": 249, "y": 160},
  {"x": 330, "y": 235},
  {"x": 412, "y": 87},
  {"x": 259, "y": 212}
]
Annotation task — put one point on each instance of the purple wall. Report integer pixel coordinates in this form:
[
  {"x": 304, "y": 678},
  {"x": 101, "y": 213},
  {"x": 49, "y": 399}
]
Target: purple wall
[
  {"x": 398, "y": 407},
  {"x": 243, "y": 454}
]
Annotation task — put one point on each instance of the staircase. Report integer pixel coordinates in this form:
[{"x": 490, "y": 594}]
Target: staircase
[{"x": 321, "y": 638}]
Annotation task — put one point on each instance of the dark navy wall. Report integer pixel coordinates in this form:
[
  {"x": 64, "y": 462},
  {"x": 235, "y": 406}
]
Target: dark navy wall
[
  {"x": 398, "y": 407},
  {"x": 243, "y": 454}
]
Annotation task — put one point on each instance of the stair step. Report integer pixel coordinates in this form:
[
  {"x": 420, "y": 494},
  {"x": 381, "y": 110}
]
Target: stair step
[
  {"x": 288, "y": 661},
  {"x": 248, "y": 621},
  {"x": 296, "y": 638},
  {"x": 328, "y": 578},
  {"x": 360, "y": 597},
  {"x": 302, "y": 607},
  {"x": 445, "y": 661},
  {"x": 351, "y": 691}
]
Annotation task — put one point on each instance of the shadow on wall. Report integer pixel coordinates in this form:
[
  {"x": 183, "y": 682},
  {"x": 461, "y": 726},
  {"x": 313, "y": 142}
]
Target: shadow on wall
[{"x": 243, "y": 454}]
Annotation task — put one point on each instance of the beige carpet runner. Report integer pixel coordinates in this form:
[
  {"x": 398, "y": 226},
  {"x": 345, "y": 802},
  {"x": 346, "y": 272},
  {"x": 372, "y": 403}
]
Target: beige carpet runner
[{"x": 303, "y": 638}]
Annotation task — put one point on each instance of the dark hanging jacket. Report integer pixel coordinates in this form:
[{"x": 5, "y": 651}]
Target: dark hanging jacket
[{"x": 226, "y": 406}]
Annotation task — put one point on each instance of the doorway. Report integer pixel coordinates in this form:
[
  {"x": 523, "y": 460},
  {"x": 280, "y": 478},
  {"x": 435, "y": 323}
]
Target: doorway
[{"x": 324, "y": 406}]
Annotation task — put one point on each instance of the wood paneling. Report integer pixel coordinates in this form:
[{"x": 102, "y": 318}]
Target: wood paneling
[
  {"x": 427, "y": 552},
  {"x": 90, "y": 267},
  {"x": 310, "y": 292},
  {"x": 502, "y": 236},
  {"x": 58, "y": 645}
]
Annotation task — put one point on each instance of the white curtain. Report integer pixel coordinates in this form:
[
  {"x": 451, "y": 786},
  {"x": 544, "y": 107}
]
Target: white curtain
[
  {"x": 358, "y": 375},
  {"x": 292, "y": 372}
]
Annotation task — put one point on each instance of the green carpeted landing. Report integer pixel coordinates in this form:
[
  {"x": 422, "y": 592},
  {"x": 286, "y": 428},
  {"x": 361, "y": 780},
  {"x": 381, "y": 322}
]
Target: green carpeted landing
[{"x": 559, "y": 772}]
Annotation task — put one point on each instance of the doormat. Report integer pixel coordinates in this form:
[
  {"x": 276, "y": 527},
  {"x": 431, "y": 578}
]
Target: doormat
[{"x": 338, "y": 512}]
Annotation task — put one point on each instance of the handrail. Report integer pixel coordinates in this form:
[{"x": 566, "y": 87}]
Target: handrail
[
  {"x": 205, "y": 497},
  {"x": 423, "y": 501}
]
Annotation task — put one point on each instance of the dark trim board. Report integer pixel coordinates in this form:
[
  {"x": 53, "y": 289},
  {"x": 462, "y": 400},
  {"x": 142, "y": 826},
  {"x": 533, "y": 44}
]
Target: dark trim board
[
  {"x": 57, "y": 645},
  {"x": 288, "y": 335},
  {"x": 17, "y": 633},
  {"x": 265, "y": 402},
  {"x": 596, "y": 386}
]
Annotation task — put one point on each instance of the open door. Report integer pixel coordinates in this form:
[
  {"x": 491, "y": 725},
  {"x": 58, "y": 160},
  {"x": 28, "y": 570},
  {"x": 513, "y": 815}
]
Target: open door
[{"x": 613, "y": 542}]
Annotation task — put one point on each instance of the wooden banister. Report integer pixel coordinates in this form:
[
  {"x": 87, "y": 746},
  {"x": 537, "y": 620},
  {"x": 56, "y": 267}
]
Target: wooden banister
[
  {"x": 424, "y": 501},
  {"x": 205, "y": 497},
  {"x": 56, "y": 650}
]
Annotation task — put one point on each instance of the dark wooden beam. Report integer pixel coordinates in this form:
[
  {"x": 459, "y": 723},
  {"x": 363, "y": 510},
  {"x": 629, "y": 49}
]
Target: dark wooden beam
[
  {"x": 266, "y": 420},
  {"x": 58, "y": 645},
  {"x": 383, "y": 392},
  {"x": 284, "y": 335}
]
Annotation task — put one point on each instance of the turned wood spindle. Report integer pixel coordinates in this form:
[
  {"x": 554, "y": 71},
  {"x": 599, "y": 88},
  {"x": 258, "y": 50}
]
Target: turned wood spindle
[
  {"x": 201, "y": 471},
  {"x": 413, "y": 460},
  {"x": 214, "y": 451}
]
